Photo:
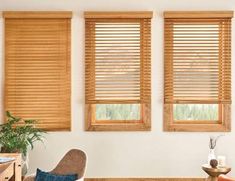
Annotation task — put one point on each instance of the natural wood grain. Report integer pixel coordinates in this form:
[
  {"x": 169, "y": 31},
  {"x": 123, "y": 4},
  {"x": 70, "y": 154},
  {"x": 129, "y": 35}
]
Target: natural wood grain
[
  {"x": 117, "y": 125},
  {"x": 7, "y": 171},
  {"x": 223, "y": 125},
  {"x": 11, "y": 170},
  {"x": 117, "y": 68},
  {"x": 197, "y": 66},
  {"x": 37, "y": 14},
  {"x": 226, "y": 117},
  {"x": 145, "y": 179},
  {"x": 198, "y": 14},
  {"x": 118, "y": 14},
  {"x": 37, "y": 68}
]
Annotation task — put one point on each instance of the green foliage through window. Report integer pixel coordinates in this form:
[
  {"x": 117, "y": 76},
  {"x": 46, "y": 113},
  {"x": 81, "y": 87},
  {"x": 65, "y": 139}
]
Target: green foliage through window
[
  {"x": 117, "y": 112},
  {"x": 196, "y": 112}
]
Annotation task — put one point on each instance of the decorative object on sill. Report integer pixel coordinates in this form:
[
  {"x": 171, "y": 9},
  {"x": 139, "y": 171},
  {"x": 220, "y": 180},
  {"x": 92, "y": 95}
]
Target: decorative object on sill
[
  {"x": 213, "y": 163},
  {"x": 211, "y": 156},
  {"x": 221, "y": 161},
  {"x": 18, "y": 138},
  {"x": 212, "y": 145},
  {"x": 215, "y": 172}
]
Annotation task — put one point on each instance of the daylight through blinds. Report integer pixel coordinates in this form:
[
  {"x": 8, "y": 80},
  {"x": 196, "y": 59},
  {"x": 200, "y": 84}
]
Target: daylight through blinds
[
  {"x": 197, "y": 58},
  {"x": 117, "y": 58}
]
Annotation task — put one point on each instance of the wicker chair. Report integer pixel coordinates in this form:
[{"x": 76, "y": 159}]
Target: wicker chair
[{"x": 74, "y": 162}]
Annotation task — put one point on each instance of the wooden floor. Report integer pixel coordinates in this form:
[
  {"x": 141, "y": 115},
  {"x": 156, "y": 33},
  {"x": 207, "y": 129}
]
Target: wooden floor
[{"x": 145, "y": 179}]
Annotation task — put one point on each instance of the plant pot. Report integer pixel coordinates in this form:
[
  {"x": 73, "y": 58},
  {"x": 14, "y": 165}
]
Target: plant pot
[{"x": 25, "y": 163}]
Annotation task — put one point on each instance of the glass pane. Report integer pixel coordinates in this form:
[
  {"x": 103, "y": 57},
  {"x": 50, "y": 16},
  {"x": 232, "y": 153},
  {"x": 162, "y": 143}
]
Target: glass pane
[
  {"x": 196, "y": 112},
  {"x": 118, "y": 112}
]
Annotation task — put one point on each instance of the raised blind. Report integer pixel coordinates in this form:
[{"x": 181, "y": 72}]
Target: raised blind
[
  {"x": 37, "y": 67},
  {"x": 117, "y": 59},
  {"x": 197, "y": 59}
]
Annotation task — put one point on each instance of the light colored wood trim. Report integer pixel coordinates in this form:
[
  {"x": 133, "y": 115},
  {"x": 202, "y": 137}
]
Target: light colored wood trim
[
  {"x": 170, "y": 125},
  {"x": 89, "y": 116},
  {"x": 145, "y": 179},
  {"x": 37, "y": 14},
  {"x": 118, "y": 14},
  {"x": 16, "y": 166},
  {"x": 226, "y": 117},
  {"x": 198, "y": 14},
  {"x": 144, "y": 124},
  {"x": 146, "y": 116},
  {"x": 167, "y": 117},
  {"x": 119, "y": 127}
]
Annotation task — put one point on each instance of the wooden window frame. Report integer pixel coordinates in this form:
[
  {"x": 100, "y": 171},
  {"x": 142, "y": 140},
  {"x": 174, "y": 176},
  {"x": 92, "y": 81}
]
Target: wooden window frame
[
  {"x": 49, "y": 124},
  {"x": 144, "y": 124},
  {"x": 224, "y": 122},
  {"x": 222, "y": 125}
]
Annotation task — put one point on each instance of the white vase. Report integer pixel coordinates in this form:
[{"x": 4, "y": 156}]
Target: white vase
[
  {"x": 211, "y": 155},
  {"x": 25, "y": 163}
]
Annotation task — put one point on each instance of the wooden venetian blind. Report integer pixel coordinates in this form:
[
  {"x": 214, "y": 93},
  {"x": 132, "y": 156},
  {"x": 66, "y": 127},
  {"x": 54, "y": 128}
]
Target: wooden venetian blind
[
  {"x": 118, "y": 57},
  {"x": 198, "y": 57},
  {"x": 37, "y": 67}
]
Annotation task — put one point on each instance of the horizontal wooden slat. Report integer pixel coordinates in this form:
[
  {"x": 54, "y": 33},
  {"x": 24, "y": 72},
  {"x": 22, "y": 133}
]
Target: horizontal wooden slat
[
  {"x": 197, "y": 57},
  {"x": 114, "y": 61},
  {"x": 37, "y": 67}
]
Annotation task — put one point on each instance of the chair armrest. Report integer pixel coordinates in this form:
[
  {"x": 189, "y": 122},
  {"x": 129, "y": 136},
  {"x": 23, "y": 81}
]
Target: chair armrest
[{"x": 29, "y": 178}]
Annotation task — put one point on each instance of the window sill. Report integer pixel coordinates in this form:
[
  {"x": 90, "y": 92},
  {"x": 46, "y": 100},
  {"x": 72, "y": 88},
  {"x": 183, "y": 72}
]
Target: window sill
[
  {"x": 197, "y": 128},
  {"x": 139, "y": 126}
]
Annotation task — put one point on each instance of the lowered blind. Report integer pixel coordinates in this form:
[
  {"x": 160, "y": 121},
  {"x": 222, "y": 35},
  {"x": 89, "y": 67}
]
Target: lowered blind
[
  {"x": 198, "y": 57},
  {"x": 37, "y": 67},
  {"x": 118, "y": 57}
]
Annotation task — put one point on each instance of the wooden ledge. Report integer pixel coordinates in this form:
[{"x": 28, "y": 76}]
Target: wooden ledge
[
  {"x": 37, "y": 14},
  {"x": 145, "y": 179},
  {"x": 198, "y": 14},
  {"x": 118, "y": 14}
]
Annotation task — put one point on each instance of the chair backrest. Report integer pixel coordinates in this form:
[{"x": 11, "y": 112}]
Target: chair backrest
[{"x": 74, "y": 162}]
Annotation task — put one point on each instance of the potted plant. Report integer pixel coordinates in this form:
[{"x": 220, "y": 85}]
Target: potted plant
[{"x": 18, "y": 138}]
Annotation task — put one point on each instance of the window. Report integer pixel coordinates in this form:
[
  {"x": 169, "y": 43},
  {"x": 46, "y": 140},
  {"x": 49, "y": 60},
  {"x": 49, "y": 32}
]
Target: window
[
  {"x": 37, "y": 67},
  {"x": 197, "y": 93},
  {"x": 118, "y": 70}
]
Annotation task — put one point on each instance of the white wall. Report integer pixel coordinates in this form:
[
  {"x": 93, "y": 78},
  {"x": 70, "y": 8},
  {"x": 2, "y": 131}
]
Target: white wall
[{"x": 127, "y": 154}]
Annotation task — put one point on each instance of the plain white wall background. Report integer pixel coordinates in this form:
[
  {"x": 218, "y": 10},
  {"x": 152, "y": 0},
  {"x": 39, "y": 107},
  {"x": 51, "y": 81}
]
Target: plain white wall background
[{"x": 126, "y": 154}]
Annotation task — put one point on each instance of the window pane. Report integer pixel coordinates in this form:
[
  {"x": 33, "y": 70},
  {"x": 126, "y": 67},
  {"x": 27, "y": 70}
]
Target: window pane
[
  {"x": 196, "y": 112},
  {"x": 117, "y": 112}
]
